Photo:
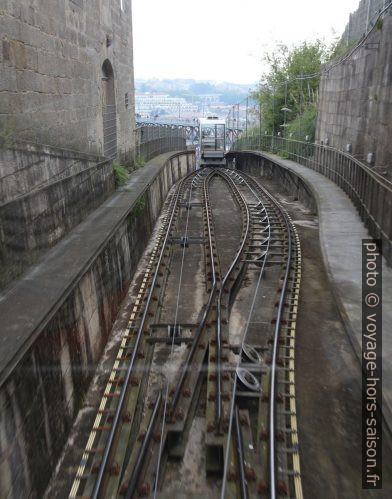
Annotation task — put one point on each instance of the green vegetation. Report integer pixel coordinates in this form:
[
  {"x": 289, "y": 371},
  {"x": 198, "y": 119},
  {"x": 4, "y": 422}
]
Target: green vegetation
[
  {"x": 139, "y": 162},
  {"x": 304, "y": 124},
  {"x": 120, "y": 175},
  {"x": 288, "y": 103},
  {"x": 139, "y": 206},
  {"x": 283, "y": 154},
  {"x": 379, "y": 23},
  {"x": 341, "y": 47}
]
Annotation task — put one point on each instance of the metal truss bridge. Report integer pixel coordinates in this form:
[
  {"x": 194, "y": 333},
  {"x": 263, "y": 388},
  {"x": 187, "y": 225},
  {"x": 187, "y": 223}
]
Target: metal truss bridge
[{"x": 191, "y": 128}]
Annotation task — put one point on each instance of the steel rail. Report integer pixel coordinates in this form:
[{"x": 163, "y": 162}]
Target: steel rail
[
  {"x": 201, "y": 326},
  {"x": 273, "y": 363},
  {"x": 172, "y": 345},
  {"x": 240, "y": 455},
  {"x": 275, "y": 347},
  {"x": 122, "y": 396},
  {"x": 231, "y": 416},
  {"x": 142, "y": 453},
  {"x": 218, "y": 414}
]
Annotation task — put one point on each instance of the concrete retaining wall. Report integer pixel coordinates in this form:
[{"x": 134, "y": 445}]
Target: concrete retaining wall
[
  {"x": 290, "y": 182},
  {"x": 355, "y": 100},
  {"x": 27, "y": 166},
  {"x": 341, "y": 233},
  {"x": 41, "y": 395},
  {"x": 33, "y": 223},
  {"x": 362, "y": 19}
]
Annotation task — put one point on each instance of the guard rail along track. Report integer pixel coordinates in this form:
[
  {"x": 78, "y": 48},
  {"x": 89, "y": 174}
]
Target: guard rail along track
[{"x": 242, "y": 383}]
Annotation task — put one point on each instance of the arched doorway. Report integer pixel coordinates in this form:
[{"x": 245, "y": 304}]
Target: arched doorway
[{"x": 109, "y": 111}]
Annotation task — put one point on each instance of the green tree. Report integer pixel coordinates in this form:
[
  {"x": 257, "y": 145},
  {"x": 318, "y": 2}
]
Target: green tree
[{"x": 283, "y": 87}]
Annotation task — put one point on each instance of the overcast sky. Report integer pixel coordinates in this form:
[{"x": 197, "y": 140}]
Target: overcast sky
[{"x": 224, "y": 40}]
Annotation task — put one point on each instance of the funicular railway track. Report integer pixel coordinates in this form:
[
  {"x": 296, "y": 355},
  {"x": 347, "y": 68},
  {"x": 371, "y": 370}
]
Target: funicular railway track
[{"x": 244, "y": 387}]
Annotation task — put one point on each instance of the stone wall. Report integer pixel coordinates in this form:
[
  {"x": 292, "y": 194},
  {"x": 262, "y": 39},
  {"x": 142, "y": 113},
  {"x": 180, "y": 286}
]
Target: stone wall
[
  {"x": 27, "y": 166},
  {"x": 290, "y": 183},
  {"x": 43, "y": 391},
  {"x": 33, "y": 223},
  {"x": 362, "y": 19},
  {"x": 52, "y": 88},
  {"x": 355, "y": 102}
]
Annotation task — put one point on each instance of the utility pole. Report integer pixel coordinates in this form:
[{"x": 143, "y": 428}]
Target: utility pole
[
  {"x": 232, "y": 127},
  {"x": 273, "y": 116},
  {"x": 300, "y": 105},
  {"x": 349, "y": 31},
  {"x": 260, "y": 121},
  {"x": 368, "y": 16},
  {"x": 285, "y": 109},
  {"x": 246, "y": 117}
]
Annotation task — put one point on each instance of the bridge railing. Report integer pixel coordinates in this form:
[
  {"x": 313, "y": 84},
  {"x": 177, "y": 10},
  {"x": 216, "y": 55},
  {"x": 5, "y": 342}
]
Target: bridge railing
[
  {"x": 370, "y": 192},
  {"x": 152, "y": 141}
]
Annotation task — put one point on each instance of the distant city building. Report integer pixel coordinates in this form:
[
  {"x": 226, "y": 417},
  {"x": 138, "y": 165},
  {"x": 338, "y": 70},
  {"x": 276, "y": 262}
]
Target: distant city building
[
  {"x": 150, "y": 103},
  {"x": 210, "y": 98}
]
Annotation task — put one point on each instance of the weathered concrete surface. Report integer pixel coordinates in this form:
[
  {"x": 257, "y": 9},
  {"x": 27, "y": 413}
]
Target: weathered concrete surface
[
  {"x": 26, "y": 166},
  {"x": 362, "y": 19},
  {"x": 355, "y": 102},
  {"x": 35, "y": 222},
  {"x": 52, "y": 89},
  {"x": 341, "y": 234},
  {"x": 56, "y": 319},
  {"x": 257, "y": 164}
]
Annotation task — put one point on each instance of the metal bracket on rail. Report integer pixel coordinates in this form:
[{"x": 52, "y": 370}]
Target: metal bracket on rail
[
  {"x": 174, "y": 335},
  {"x": 239, "y": 178},
  {"x": 169, "y": 341},
  {"x": 173, "y": 331},
  {"x": 185, "y": 241},
  {"x": 188, "y": 205},
  {"x": 259, "y": 260},
  {"x": 262, "y": 228},
  {"x": 372, "y": 46}
]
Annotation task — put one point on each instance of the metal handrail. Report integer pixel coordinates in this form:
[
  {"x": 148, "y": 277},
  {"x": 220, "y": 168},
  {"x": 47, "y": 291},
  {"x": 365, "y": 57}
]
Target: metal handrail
[
  {"x": 238, "y": 146},
  {"x": 369, "y": 191}
]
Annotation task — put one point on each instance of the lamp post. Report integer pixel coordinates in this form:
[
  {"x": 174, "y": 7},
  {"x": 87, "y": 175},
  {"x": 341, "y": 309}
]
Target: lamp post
[
  {"x": 260, "y": 120},
  {"x": 285, "y": 109},
  {"x": 273, "y": 118}
]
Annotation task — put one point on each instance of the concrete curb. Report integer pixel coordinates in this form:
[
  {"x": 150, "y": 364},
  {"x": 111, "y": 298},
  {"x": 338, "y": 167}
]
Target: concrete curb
[
  {"x": 86, "y": 262},
  {"x": 338, "y": 293}
]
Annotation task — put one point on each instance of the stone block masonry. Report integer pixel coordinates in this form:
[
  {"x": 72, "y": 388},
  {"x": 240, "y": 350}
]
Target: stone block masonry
[
  {"x": 355, "y": 103},
  {"x": 27, "y": 166},
  {"x": 33, "y": 223},
  {"x": 52, "y": 88},
  {"x": 362, "y": 19}
]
